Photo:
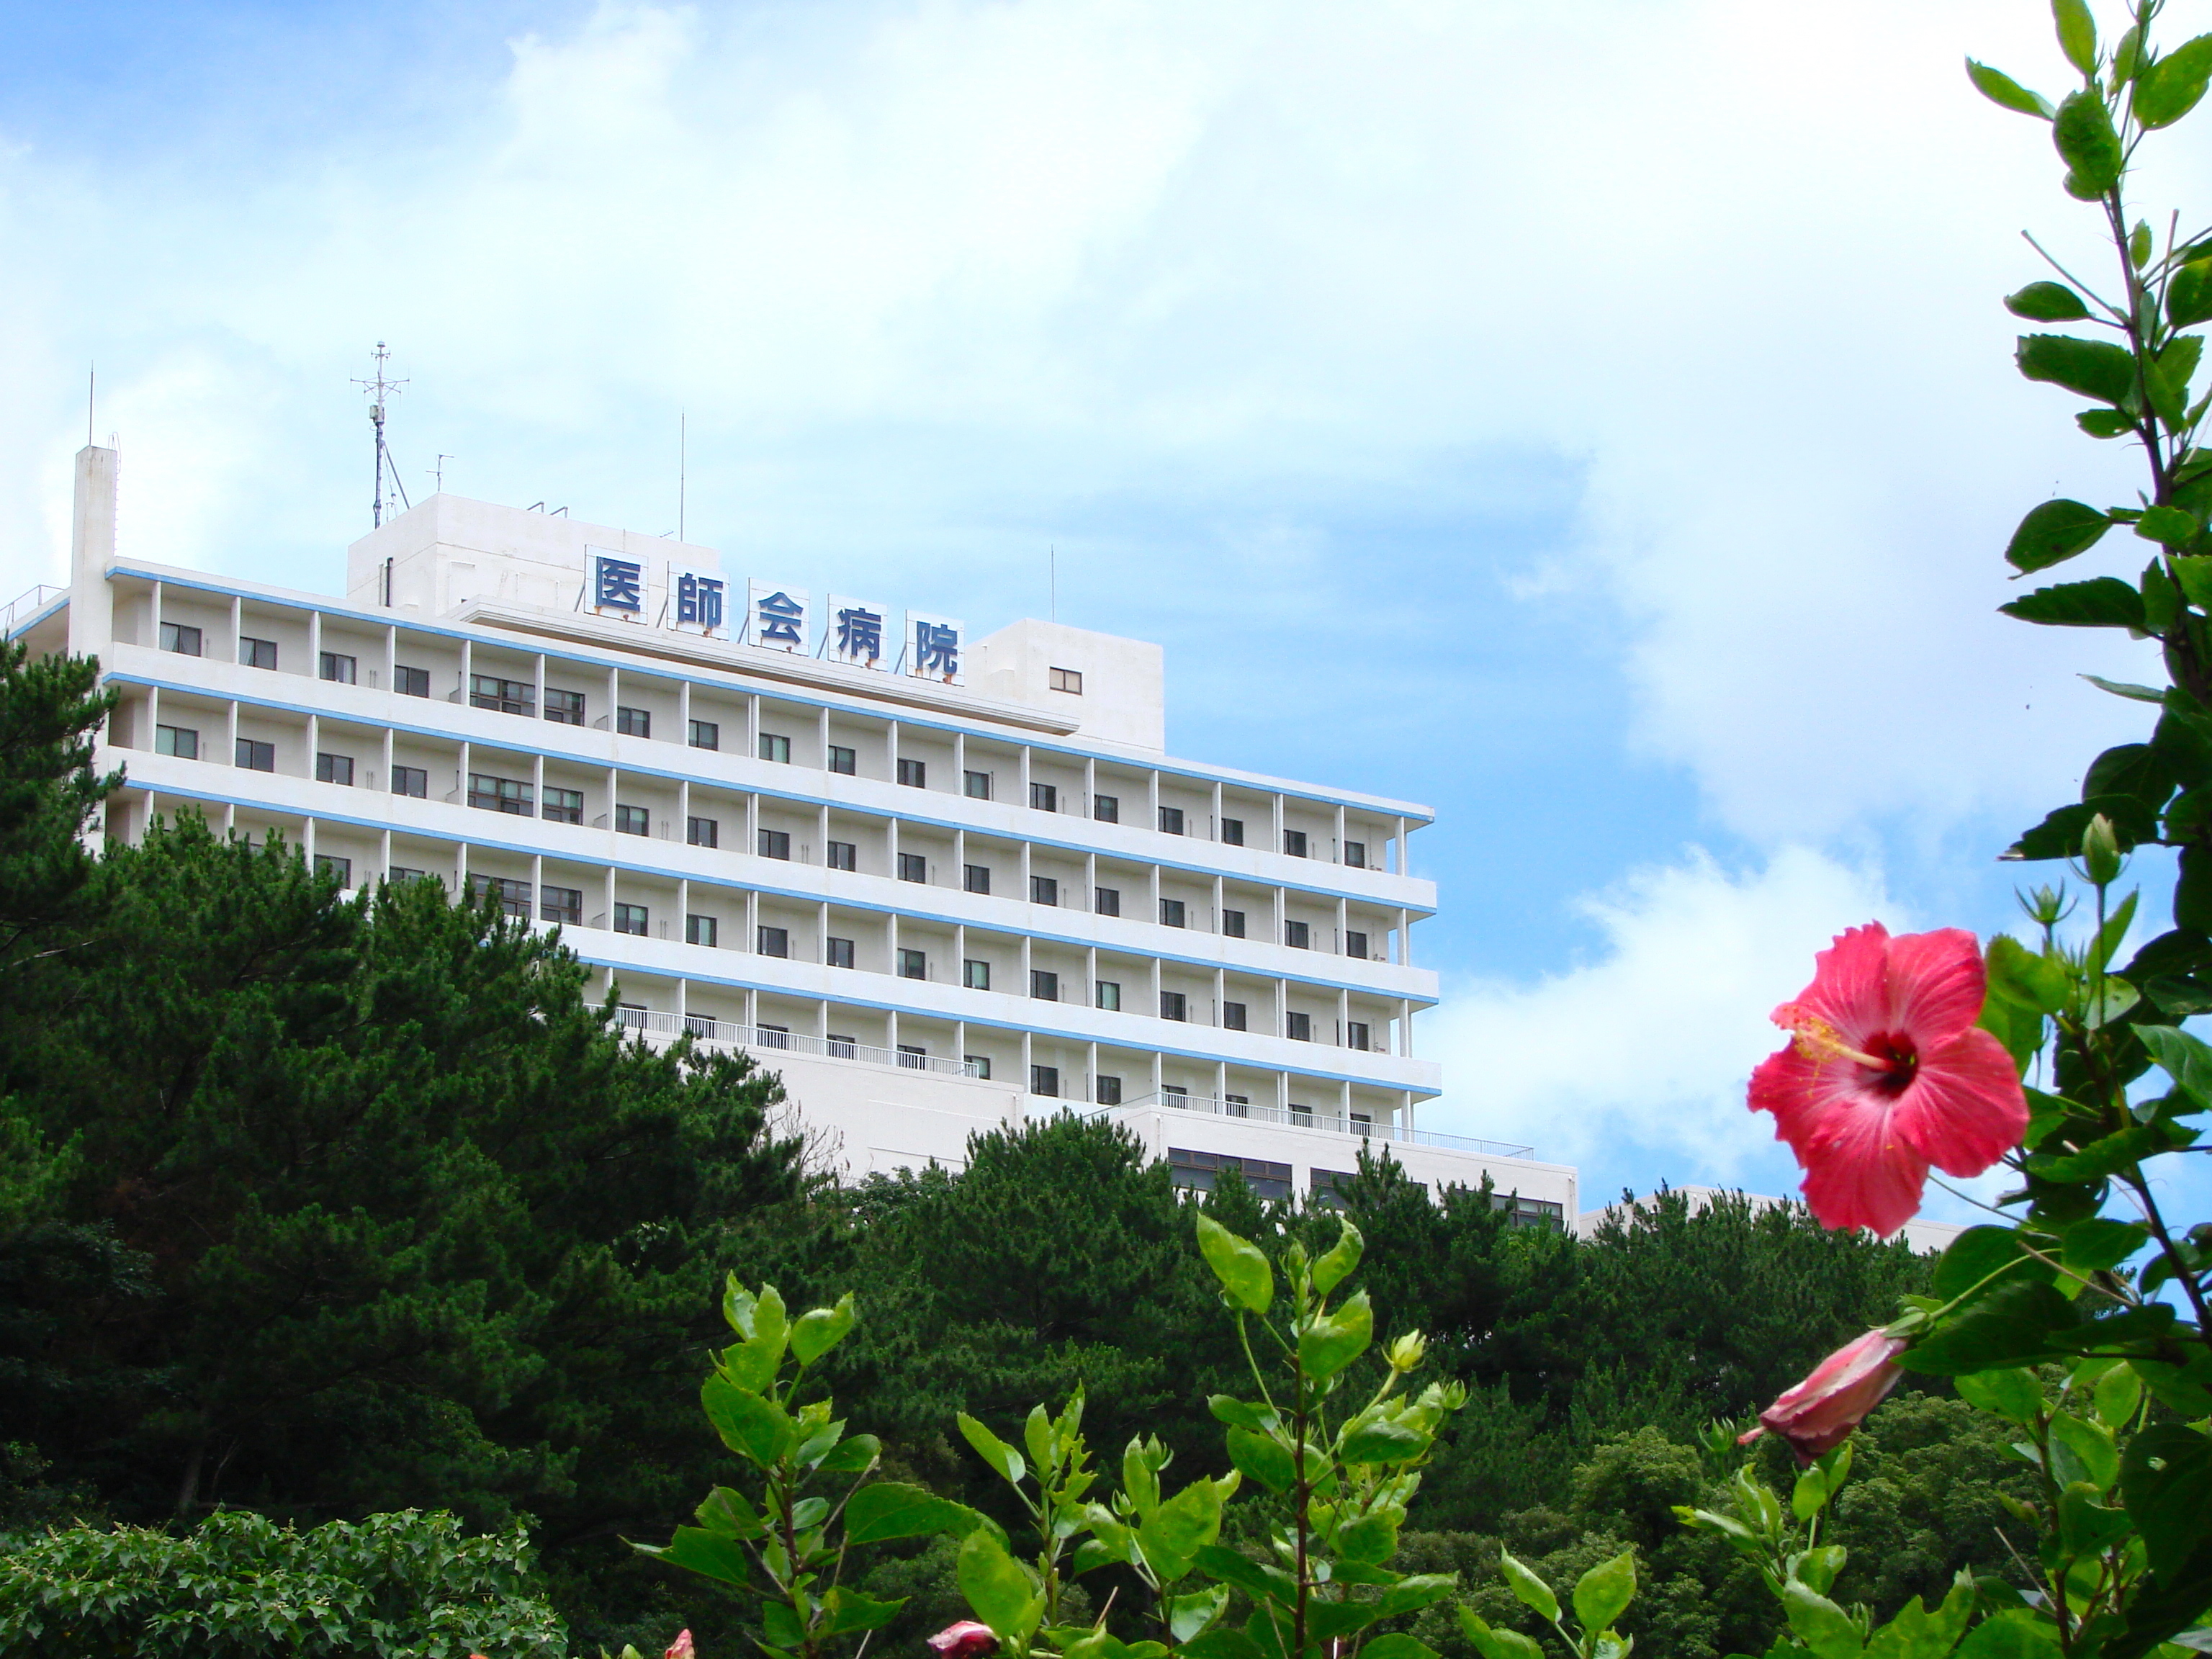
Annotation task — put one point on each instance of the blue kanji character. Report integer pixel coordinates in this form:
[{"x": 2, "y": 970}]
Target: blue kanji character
[
  {"x": 698, "y": 601},
  {"x": 780, "y": 618},
  {"x": 936, "y": 649},
  {"x": 617, "y": 585},
  {"x": 861, "y": 633}
]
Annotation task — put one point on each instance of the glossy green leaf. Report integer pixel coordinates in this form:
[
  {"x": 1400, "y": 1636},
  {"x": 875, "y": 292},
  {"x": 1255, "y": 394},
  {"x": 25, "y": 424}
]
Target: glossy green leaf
[
  {"x": 1417, "y": 1590},
  {"x": 750, "y": 1425},
  {"x": 891, "y": 1509},
  {"x": 1918, "y": 1633},
  {"x": 1263, "y": 1459},
  {"x": 852, "y": 1455},
  {"x": 702, "y": 1552},
  {"x": 1976, "y": 1253},
  {"x": 2059, "y": 835},
  {"x": 1396, "y": 1645},
  {"x": 1330, "y": 1622},
  {"x": 2010, "y": 1635},
  {"x": 2166, "y": 1481},
  {"x": 2129, "y": 688},
  {"x": 2100, "y": 1241},
  {"x": 2117, "y": 1396},
  {"x": 1532, "y": 1591},
  {"x": 2186, "y": 1058},
  {"x": 2000, "y": 88},
  {"x": 2077, "y": 33},
  {"x": 2169, "y": 88},
  {"x": 1188, "y": 1615},
  {"x": 820, "y": 1330},
  {"x": 2015, "y": 1395},
  {"x": 2087, "y": 1447},
  {"x": 1337, "y": 1337},
  {"x": 2128, "y": 1330},
  {"x": 2047, "y": 302},
  {"x": 1246, "y": 1278},
  {"x": 1227, "y": 1408},
  {"x": 2027, "y": 977},
  {"x": 1343, "y": 1256},
  {"x": 1372, "y": 1539},
  {"x": 2101, "y": 1159},
  {"x": 2010, "y": 1325},
  {"x": 1824, "y": 1627},
  {"x": 1602, "y": 1594},
  {"x": 780, "y": 1625},
  {"x": 2082, "y": 131},
  {"x": 999, "y": 1589},
  {"x": 1383, "y": 1440},
  {"x": 2189, "y": 294},
  {"x": 847, "y": 1610},
  {"x": 2106, "y": 422},
  {"x": 1256, "y": 1579},
  {"x": 2101, "y": 602},
  {"x": 2167, "y": 525},
  {"x": 1496, "y": 1644},
  {"x": 1183, "y": 1525},
  {"x": 1220, "y": 1643},
  {"x": 731, "y": 1514},
  {"x": 2054, "y": 531},
  {"x": 2095, "y": 368},
  {"x": 993, "y": 1450}
]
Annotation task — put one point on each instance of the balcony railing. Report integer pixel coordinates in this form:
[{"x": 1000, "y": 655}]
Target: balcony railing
[
  {"x": 762, "y": 1040},
  {"x": 1300, "y": 1117},
  {"x": 27, "y": 605}
]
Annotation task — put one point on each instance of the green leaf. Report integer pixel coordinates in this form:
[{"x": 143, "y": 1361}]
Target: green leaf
[
  {"x": 1976, "y": 1253},
  {"x": 2100, "y": 1243},
  {"x": 1328, "y": 1621},
  {"x": 1417, "y": 1591},
  {"x": 1602, "y": 1594},
  {"x": 2000, "y": 88},
  {"x": 1262, "y": 1583},
  {"x": 2165, "y": 1482},
  {"x": 2015, "y": 1395},
  {"x": 2106, "y": 422},
  {"x": 730, "y": 1514},
  {"x": 2059, "y": 835},
  {"x": 2158, "y": 1609},
  {"x": 1263, "y": 1458},
  {"x": 2047, "y": 302},
  {"x": 847, "y": 1610},
  {"x": 2054, "y": 531},
  {"x": 821, "y": 1329},
  {"x": 1228, "y": 1408},
  {"x": 1372, "y": 1539},
  {"x": 2077, "y": 33},
  {"x": 1916, "y": 1634},
  {"x": 2189, "y": 294},
  {"x": 891, "y": 1509},
  {"x": 2010, "y": 1635},
  {"x": 1532, "y": 1591},
  {"x": 1188, "y": 1616},
  {"x": 779, "y": 1624},
  {"x": 2127, "y": 1330},
  {"x": 2027, "y": 977},
  {"x": 750, "y": 1425},
  {"x": 998, "y": 1589},
  {"x": 852, "y": 1455},
  {"x": 992, "y": 1449},
  {"x": 1382, "y": 1440},
  {"x": 1334, "y": 1340},
  {"x": 2082, "y": 131},
  {"x": 2186, "y": 1058},
  {"x": 1496, "y": 1644},
  {"x": 2010, "y": 1325},
  {"x": 2101, "y": 602},
  {"x": 1343, "y": 1256},
  {"x": 707, "y": 1553},
  {"x": 1396, "y": 1645},
  {"x": 2101, "y": 1159},
  {"x": 2090, "y": 1446},
  {"x": 1822, "y": 1626},
  {"x": 2169, "y": 527},
  {"x": 2128, "y": 689},
  {"x": 1186, "y": 1523},
  {"x": 2161, "y": 599},
  {"x": 1220, "y": 1642},
  {"x": 2095, "y": 368},
  {"x": 1245, "y": 1276},
  {"x": 2193, "y": 891},
  {"x": 2169, "y": 89}
]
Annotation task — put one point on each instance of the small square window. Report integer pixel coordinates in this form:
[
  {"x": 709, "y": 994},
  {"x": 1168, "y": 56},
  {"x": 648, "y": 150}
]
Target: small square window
[
  {"x": 564, "y": 905},
  {"x": 1232, "y": 832},
  {"x": 182, "y": 741},
  {"x": 1232, "y": 923},
  {"x": 976, "y": 975},
  {"x": 1106, "y": 901},
  {"x": 631, "y": 918},
  {"x": 913, "y": 964},
  {"x": 702, "y": 930},
  {"x": 410, "y": 780},
  {"x": 633, "y": 722},
  {"x": 702, "y": 832},
  {"x": 562, "y": 805},
  {"x": 1109, "y": 1090},
  {"x": 975, "y": 877},
  {"x": 1171, "y": 820},
  {"x": 977, "y": 785},
  {"x": 257, "y": 653},
  {"x": 256, "y": 756},
  {"x": 1043, "y": 890},
  {"x": 334, "y": 769},
  {"x": 1171, "y": 913},
  {"x": 914, "y": 774},
  {"x": 339, "y": 669},
  {"x": 1045, "y": 985},
  {"x": 632, "y": 821},
  {"x": 706, "y": 734},
  {"x": 179, "y": 638},
  {"x": 914, "y": 866},
  {"x": 1044, "y": 1080},
  {"x": 1109, "y": 996},
  {"x": 411, "y": 682},
  {"x": 1298, "y": 1027},
  {"x": 1174, "y": 1005},
  {"x": 337, "y": 869},
  {"x": 1298, "y": 935},
  {"x": 842, "y": 760},
  {"x": 980, "y": 1065},
  {"x": 564, "y": 708},
  {"x": 1107, "y": 809},
  {"x": 774, "y": 843},
  {"x": 1232, "y": 1017},
  {"x": 1294, "y": 842},
  {"x": 1355, "y": 944},
  {"x": 1356, "y": 1034},
  {"x": 844, "y": 856},
  {"x": 773, "y": 941},
  {"x": 1044, "y": 798},
  {"x": 774, "y": 747},
  {"x": 838, "y": 953},
  {"x": 1355, "y": 854},
  {"x": 1069, "y": 680}
]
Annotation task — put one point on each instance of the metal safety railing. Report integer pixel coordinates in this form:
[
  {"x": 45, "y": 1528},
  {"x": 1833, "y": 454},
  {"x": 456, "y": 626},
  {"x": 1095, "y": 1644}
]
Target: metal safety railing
[
  {"x": 761, "y": 1039},
  {"x": 27, "y": 605},
  {"x": 1301, "y": 1117}
]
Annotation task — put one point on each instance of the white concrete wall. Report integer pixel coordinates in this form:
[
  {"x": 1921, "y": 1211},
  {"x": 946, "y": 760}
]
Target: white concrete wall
[{"x": 1124, "y": 696}]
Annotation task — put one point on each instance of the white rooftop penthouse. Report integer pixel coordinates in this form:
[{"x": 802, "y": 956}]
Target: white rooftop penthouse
[{"x": 938, "y": 884}]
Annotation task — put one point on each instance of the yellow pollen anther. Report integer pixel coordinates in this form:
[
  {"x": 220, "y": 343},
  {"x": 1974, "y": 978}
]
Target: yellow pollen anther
[{"x": 1819, "y": 1041}]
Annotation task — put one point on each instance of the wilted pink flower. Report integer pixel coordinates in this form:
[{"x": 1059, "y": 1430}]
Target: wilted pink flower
[
  {"x": 1819, "y": 1415},
  {"x": 680, "y": 1647},
  {"x": 965, "y": 1640},
  {"x": 1888, "y": 1074}
]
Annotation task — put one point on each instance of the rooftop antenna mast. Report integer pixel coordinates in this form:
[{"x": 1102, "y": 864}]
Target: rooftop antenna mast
[{"x": 380, "y": 392}]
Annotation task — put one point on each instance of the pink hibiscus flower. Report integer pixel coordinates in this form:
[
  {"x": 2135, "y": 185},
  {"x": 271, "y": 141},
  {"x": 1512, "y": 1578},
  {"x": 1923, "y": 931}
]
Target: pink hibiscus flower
[
  {"x": 681, "y": 1647},
  {"x": 1887, "y": 1073},
  {"x": 1819, "y": 1415},
  {"x": 965, "y": 1640}
]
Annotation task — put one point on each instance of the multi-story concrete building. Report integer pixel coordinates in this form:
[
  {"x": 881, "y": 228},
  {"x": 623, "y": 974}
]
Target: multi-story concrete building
[{"x": 937, "y": 883}]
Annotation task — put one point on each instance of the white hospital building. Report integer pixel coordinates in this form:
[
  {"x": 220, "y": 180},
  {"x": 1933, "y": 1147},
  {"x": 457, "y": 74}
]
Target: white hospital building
[{"x": 940, "y": 884}]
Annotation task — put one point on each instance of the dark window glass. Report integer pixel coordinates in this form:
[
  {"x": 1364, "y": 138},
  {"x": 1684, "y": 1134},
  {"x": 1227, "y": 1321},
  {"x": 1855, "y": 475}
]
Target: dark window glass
[
  {"x": 975, "y": 877},
  {"x": 337, "y": 869},
  {"x": 774, "y": 843},
  {"x": 564, "y": 708},
  {"x": 1043, "y": 890},
  {"x": 255, "y": 756},
  {"x": 562, "y": 805},
  {"x": 1299, "y": 1027},
  {"x": 561, "y": 904},
  {"x": 339, "y": 668},
  {"x": 182, "y": 741},
  {"x": 974, "y": 974},
  {"x": 702, "y": 930},
  {"x": 842, "y": 759},
  {"x": 498, "y": 794},
  {"x": 1298, "y": 935},
  {"x": 1232, "y": 1017},
  {"x": 1174, "y": 1005},
  {"x": 184, "y": 640},
  {"x": 632, "y": 821},
  {"x": 1196, "y": 1171},
  {"x": 839, "y": 953},
  {"x": 703, "y": 832},
  {"x": 1045, "y": 985},
  {"x": 913, "y": 964},
  {"x": 1171, "y": 820},
  {"x": 774, "y": 747},
  {"x": 1044, "y": 798},
  {"x": 506, "y": 697},
  {"x": 844, "y": 856},
  {"x": 1355, "y": 944},
  {"x": 511, "y": 896},
  {"x": 1232, "y": 923},
  {"x": 980, "y": 1063},
  {"x": 1294, "y": 842},
  {"x": 1108, "y": 996},
  {"x": 1232, "y": 831},
  {"x": 977, "y": 785},
  {"x": 1106, "y": 901},
  {"x": 1355, "y": 854},
  {"x": 914, "y": 774},
  {"x": 633, "y": 722},
  {"x": 774, "y": 941},
  {"x": 1356, "y": 1034},
  {"x": 1044, "y": 1080},
  {"x": 1109, "y": 1091},
  {"x": 334, "y": 769},
  {"x": 914, "y": 866},
  {"x": 400, "y": 872},
  {"x": 411, "y": 682},
  {"x": 257, "y": 653},
  {"x": 706, "y": 734},
  {"x": 1171, "y": 913},
  {"x": 631, "y": 918},
  {"x": 1107, "y": 809},
  {"x": 410, "y": 780}
]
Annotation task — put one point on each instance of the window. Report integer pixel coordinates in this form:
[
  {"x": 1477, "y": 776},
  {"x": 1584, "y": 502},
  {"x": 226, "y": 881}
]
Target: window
[
  {"x": 980, "y": 1065},
  {"x": 631, "y": 918},
  {"x": 1298, "y": 935},
  {"x": 774, "y": 843},
  {"x": 1236, "y": 1105},
  {"x": 1044, "y": 798},
  {"x": 975, "y": 877},
  {"x": 339, "y": 668},
  {"x": 1327, "y": 1187},
  {"x": 1044, "y": 1080},
  {"x": 632, "y": 821},
  {"x": 562, "y": 904},
  {"x": 977, "y": 785},
  {"x": 1045, "y": 985},
  {"x": 410, "y": 780},
  {"x": 1294, "y": 842},
  {"x": 1106, "y": 901},
  {"x": 1174, "y": 1093},
  {"x": 255, "y": 756},
  {"x": 1107, "y": 995},
  {"x": 1232, "y": 831},
  {"x": 772, "y": 941},
  {"x": 1527, "y": 1211},
  {"x": 562, "y": 805},
  {"x": 702, "y": 832},
  {"x": 1171, "y": 913},
  {"x": 1043, "y": 890},
  {"x": 564, "y": 708},
  {"x": 1069, "y": 680},
  {"x": 1232, "y": 923},
  {"x": 1171, "y": 820},
  {"x": 844, "y": 856},
  {"x": 1109, "y": 1090},
  {"x": 772, "y": 1036},
  {"x": 914, "y": 774},
  {"x": 842, "y": 759},
  {"x": 633, "y": 722},
  {"x": 401, "y": 872},
  {"x": 1355, "y": 854},
  {"x": 256, "y": 654},
  {"x": 702, "y": 930},
  {"x": 1298, "y": 1026},
  {"x": 411, "y": 682},
  {"x": 842, "y": 1047},
  {"x": 773, "y": 748},
  {"x": 914, "y": 866},
  {"x": 182, "y": 741},
  {"x": 1355, "y": 944},
  {"x": 512, "y": 897},
  {"x": 838, "y": 953},
  {"x": 914, "y": 1057},
  {"x": 508, "y": 697},
  {"x": 1197, "y": 1172},
  {"x": 1174, "y": 1005},
  {"x": 1233, "y": 1017},
  {"x": 498, "y": 794},
  {"x": 334, "y": 769},
  {"x": 913, "y": 964},
  {"x": 1107, "y": 809},
  {"x": 337, "y": 869},
  {"x": 185, "y": 642},
  {"x": 706, "y": 734},
  {"x": 975, "y": 976},
  {"x": 1355, "y": 1035}
]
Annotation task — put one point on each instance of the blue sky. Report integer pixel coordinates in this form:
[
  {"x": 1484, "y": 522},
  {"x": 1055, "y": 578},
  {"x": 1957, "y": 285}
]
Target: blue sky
[{"x": 1596, "y": 422}]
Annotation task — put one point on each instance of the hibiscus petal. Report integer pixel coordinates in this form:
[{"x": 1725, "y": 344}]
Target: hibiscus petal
[
  {"x": 1802, "y": 1094},
  {"x": 1850, "y": 983},
  {"x": 1935, "y": 986},
  {"x": 1861, "y": 1172},
  {"x": 1965, "y": 1110}
]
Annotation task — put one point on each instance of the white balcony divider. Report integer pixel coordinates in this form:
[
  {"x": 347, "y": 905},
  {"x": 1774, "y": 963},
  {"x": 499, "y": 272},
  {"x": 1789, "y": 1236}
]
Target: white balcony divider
[
  {"x": 724, "y": 1034},
  {"x": 1300, "y": 1117}
]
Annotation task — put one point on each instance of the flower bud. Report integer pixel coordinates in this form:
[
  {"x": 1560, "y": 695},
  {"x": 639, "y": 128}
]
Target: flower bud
[
  {"x": 2101, "y": 851},
  {"x": 965, "y": 1640},
  {"x": 1406, "y": 1352},
  {"x": 1819, "y": 1414}
]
